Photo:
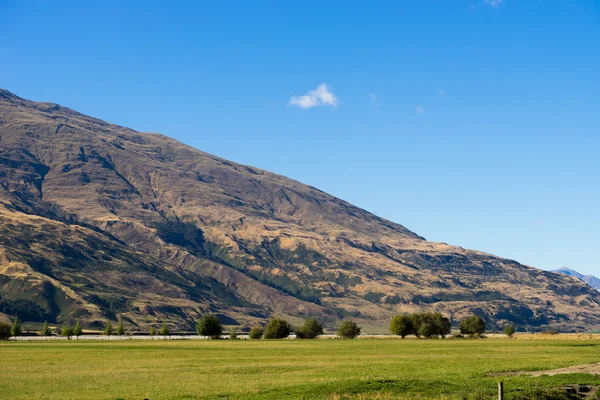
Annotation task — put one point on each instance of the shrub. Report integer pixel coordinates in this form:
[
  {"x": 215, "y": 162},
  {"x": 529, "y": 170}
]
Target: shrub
[
  {"x": 509, "y": 330},
  {"x": 277, "y": 328},
  {"x": 153, "y": 331},
  {"x": 209, "y": 325},
  {"x": 46, "y": 330},
  {"x": 428, "y": 325},
  {"x": 108, "y": 329},
  {"x": 164, "y": 331},
  {"x": 232, "y": 334},
  {"x": 4, "y": 331},
  {"x": 348, "y": 329},
  {"x": 78, "y": 330},
  {"x": 310, "y": 330},
  {"x": 67, "y": 332},
  {"x": 256, "y": 332},
  {"x": 472, "y": 325},
  {"x": 15, "y": 329},
  {"x": 120, "y": 328},
  {"x": 401, "y": 325}
]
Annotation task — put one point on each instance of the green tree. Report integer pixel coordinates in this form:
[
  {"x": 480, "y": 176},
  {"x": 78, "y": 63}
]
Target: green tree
[
  {"x": 15, "y": 329},
  {"x": 4, "y": 331},
  {"x": 232, "y": 334},
  {"x": 256, "y": 332},
  {"x": 108, "y": 329},
  {"x": 164, "y": 331},
  {"x": 277, "y": 328},
  {"x": 78, "y": 330},
  {"x": 120, "y": 328},
  {"x": 426, "y": 330},
  {"x": 472, "y": 325},
  {"x": 46, "y": 330},
  {"x": 153, "y": 331},
  {"x": 67, "y": 331},
  {"x": 209, "y": 325},
  {"x": 442, "y": 325},
  {"x": 348, "y": 329},
  {"x": 401, "y": 325},
  {"x": 310, "y": 329},
  {"x": 509, "y": 330}
]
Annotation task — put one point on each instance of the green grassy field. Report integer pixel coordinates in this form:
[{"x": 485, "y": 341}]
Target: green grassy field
[{"x": 287, "y": 369}]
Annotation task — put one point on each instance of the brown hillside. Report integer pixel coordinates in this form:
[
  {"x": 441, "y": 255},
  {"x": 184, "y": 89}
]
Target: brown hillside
[{"x": 97, "y": 220}]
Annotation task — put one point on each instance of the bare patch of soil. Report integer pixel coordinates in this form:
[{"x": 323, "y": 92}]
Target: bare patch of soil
[{"x": 592, "y": 369}]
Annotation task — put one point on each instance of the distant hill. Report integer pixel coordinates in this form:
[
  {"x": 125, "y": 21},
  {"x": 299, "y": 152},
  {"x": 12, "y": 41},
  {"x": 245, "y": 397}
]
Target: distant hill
[
  {"x": 589, "y": 279},
  {"x": 100, "y": 221}
]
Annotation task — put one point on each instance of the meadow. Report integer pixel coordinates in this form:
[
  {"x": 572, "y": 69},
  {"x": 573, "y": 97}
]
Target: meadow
[{"x": 286, "y": 369}]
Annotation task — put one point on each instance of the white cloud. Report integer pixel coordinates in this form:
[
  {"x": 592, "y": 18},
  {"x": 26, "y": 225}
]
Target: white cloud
[
  {"x": 373, "y": 98},
  {"x": 493, "y": 3},
  {"x": 321, "y": 96},
  {"x": 420, "y": 110}
]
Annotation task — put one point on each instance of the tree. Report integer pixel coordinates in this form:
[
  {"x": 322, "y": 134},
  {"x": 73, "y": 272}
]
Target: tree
[
  {"x": 164, "y": 331},
  {"x": 442, "y": 325},
  {"x": 401, "y": 325},
  {"x": 348, "y": 329},
  {"x": 153, "y": 331},
  {"x": 256, "y": 332},
  {"x": 46, "y": 330},
  {"x": 232, "y": 334},
  {"x": 15, "y": 329},
  {"x": 108, "y": 329},
  {"x": 509, "y": 330},
  {"x": 472, "y": 325},
  {"x": 120, "y": 328},
  {"x": 4, "y": 331},
  {"x": 209, "y": 325},
  {"x": 67, "y": 332},
  {"x": 310, "y": 329},
  {"x": 277, "y": 328},
  {"x": 78, "y": 330}
]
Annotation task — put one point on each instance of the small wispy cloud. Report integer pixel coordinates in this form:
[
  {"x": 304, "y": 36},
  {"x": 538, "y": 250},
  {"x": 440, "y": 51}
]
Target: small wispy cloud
[
  {"x": 420, "y": 110},
  {"x": 373, "y": 98},
  {"x": 493, "y": 3},
  {"x": 442, "y": 92},
  {"x": 321, "y": 96}
]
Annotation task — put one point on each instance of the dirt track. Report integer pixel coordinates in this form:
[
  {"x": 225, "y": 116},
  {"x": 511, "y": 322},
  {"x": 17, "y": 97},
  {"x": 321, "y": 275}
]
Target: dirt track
[{"x": 592, "y": 369}]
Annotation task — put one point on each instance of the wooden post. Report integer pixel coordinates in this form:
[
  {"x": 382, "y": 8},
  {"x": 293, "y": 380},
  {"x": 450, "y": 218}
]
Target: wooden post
[{"x": 500, "y": 390}]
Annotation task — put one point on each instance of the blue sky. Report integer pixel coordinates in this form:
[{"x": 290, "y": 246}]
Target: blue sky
[{"x": 475, "y": 123}]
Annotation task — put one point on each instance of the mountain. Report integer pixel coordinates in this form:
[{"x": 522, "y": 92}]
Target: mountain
[
  {"x": 100, "y": 221},
  {"x": 589, "y": 279}
]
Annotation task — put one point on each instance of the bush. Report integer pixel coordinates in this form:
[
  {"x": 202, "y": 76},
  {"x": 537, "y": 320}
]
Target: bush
[
  {"x": 15, "y": 329},
  {"x": 108, "y": 329},
  {"x": 509, "y": 330},
  {"x": 232, "y": 334},
  {"x": 164, "y": 331},
  {"x": 209, "y": 325},
  {"x": 67, "y": 332},
  {"x": 4, "y": 331},
  {"x": 277, "y": 328},
  {"x": 153, "y": 331},
  {"x": 310, "y": 330},
  {"x": 78, "y": 330},
  {"x": 472, "y": 325},
  {"x": 348, "y": 329},
  {"x": 256, "y": 332},
  {"x": 402, "y": 326},
  {"x": 46, "y": 330},
  {"x": 120, "y": 328}
]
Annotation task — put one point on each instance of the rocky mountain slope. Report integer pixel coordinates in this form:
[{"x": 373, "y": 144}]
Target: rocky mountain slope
[
  {"x": 99, "y": 221},
  {"x": 589, "y": 279}
]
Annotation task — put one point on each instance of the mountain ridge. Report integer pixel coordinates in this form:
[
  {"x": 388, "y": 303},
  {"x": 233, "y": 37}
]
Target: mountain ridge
[
  {"x": 589, "y": 279},
  {"x": 150, "y": 229}
]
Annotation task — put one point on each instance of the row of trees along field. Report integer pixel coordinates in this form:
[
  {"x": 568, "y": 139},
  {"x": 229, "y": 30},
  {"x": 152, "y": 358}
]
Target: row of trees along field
[{"x": 426, "y": 325}]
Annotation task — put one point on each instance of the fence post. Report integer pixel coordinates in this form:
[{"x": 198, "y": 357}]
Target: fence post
[{"x": 500, "y": 390}]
